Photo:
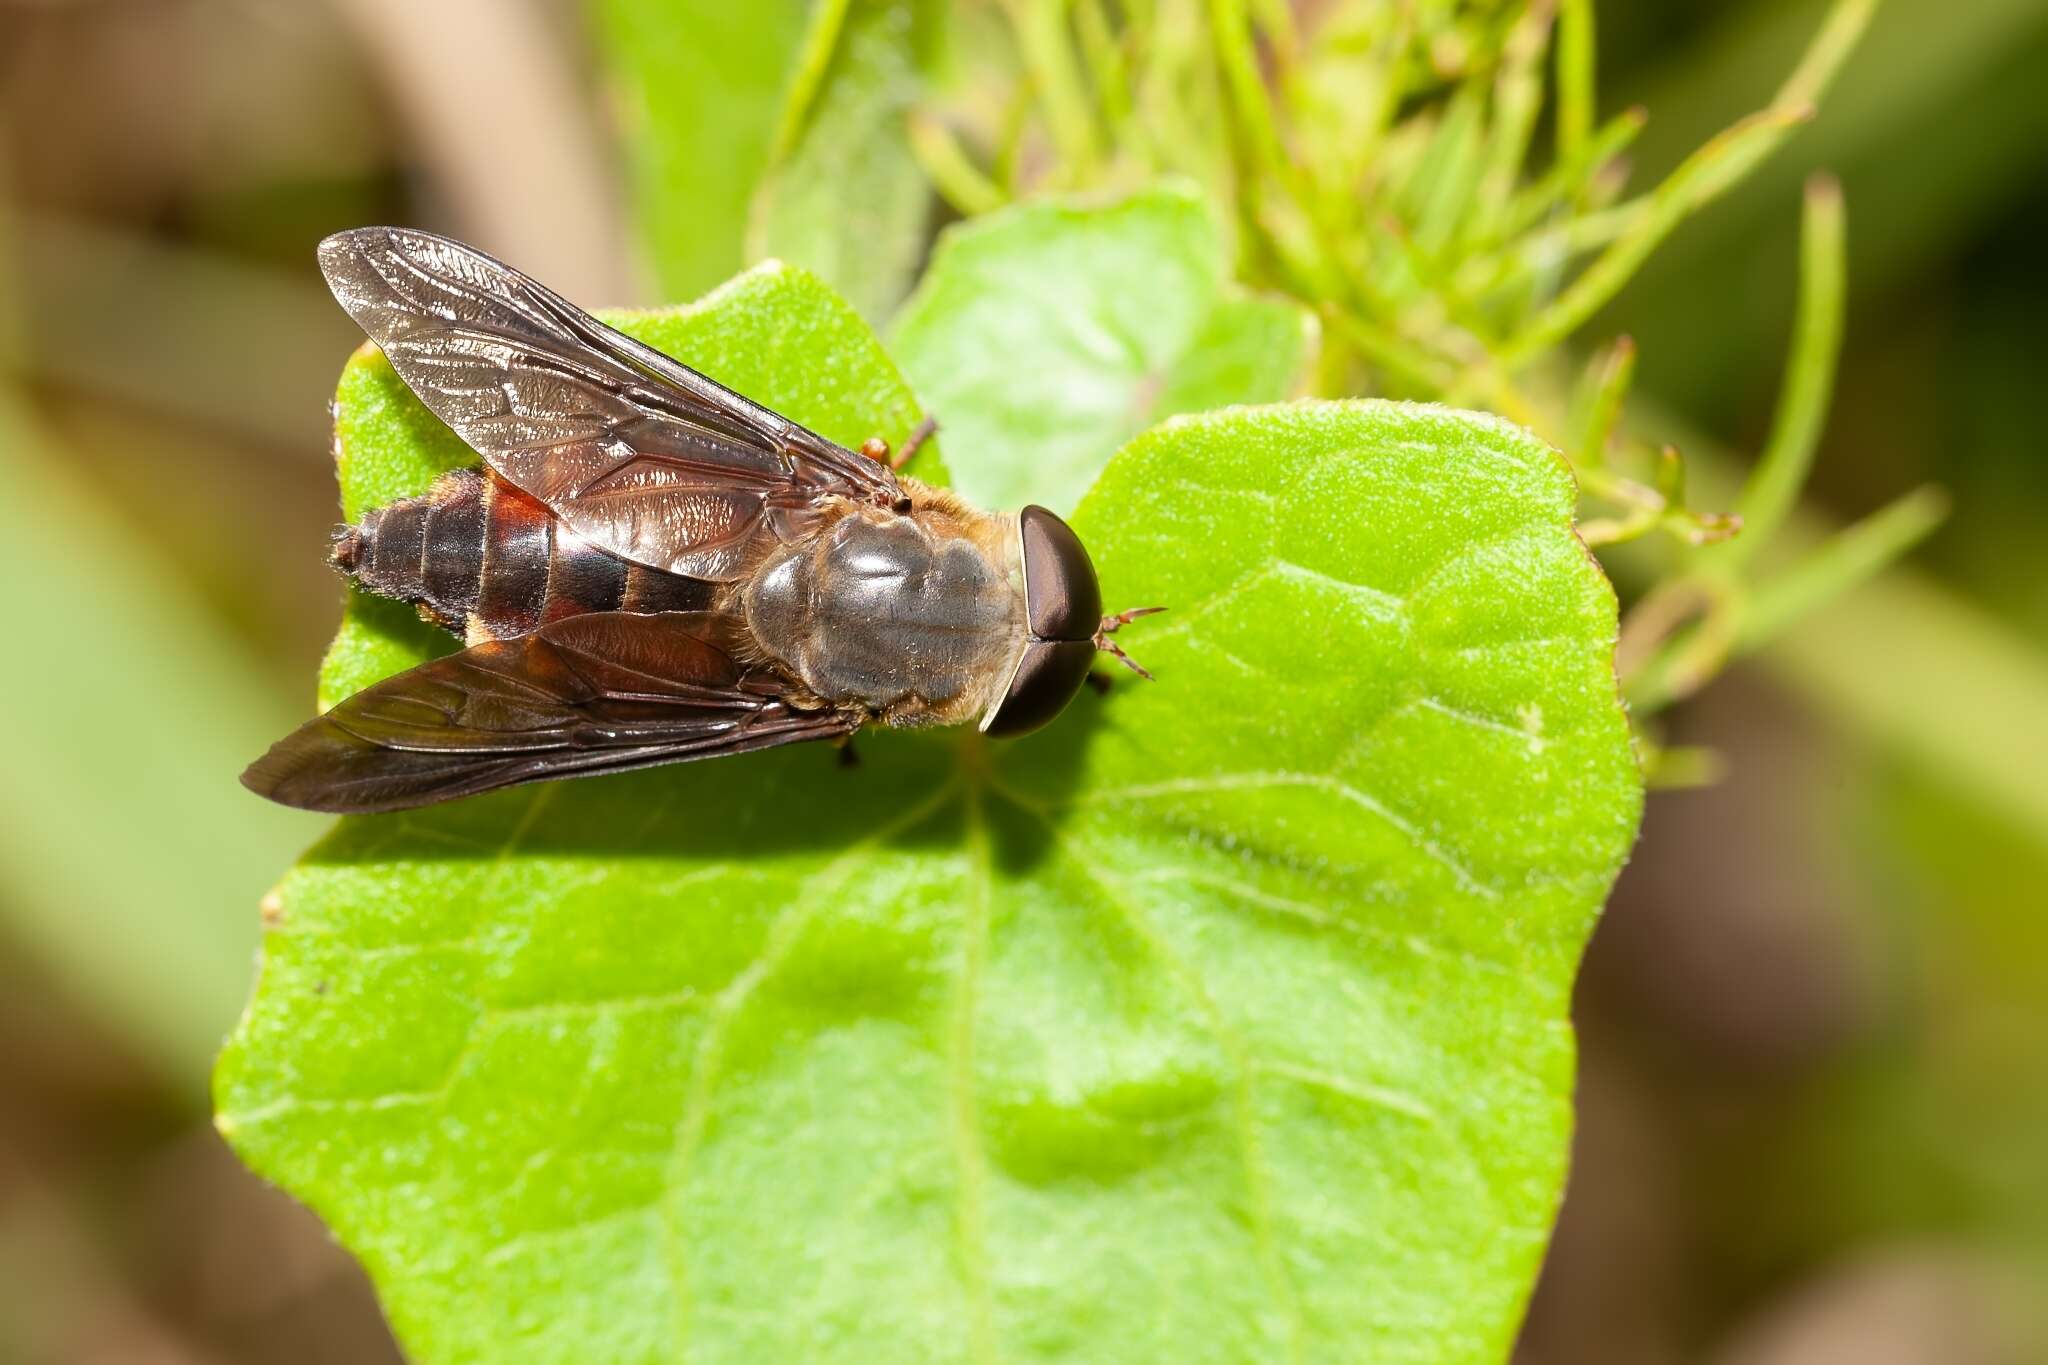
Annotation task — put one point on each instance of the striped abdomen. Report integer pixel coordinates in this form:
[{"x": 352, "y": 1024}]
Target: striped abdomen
[{"x": 482, "y": 559}]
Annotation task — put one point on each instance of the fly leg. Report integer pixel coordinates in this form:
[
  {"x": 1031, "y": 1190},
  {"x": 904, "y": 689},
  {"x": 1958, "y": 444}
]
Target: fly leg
[
  {"x": 1110, "y": 626},
  {"x": 875, "y": 448},
  {"x": 926, "y": 427},
  {"x": 849, "y": 757}
]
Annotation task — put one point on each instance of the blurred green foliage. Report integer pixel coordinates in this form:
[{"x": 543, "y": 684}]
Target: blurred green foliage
[
  {"x": 697, "y": 88},
  {"x": 116, "y": 857}
]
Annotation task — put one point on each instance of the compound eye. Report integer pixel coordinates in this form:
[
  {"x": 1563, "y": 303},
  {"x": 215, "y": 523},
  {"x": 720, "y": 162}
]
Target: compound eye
[
  {"x": 1047, "y": 677},
  {"x": 1061, "y": 597}
]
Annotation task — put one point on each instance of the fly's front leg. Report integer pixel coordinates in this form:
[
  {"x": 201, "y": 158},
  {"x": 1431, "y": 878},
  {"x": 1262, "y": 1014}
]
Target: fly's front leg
[
  {"x": 1110, "y": 626},
  {"x": 926, "y": 427},
  {"x": 875, "y": 448}
]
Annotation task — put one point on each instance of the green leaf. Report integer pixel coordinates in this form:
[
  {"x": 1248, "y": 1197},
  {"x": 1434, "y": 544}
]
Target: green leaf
[
  {"x": 697, "y": 86},
  {"x": 1046, "y": 335},
  {"x": 845, "y": 196},
  {"x": 1225, "y": 1019}
]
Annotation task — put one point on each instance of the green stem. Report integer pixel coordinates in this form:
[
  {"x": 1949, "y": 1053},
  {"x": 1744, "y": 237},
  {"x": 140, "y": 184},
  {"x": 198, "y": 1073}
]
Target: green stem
[
  {"x": 1517, "y": 98},
  {"x": 1839, "y": 33},
  {"x": 1844, "y": 561},
  {"x": 1575, "y": 78},
  {"x": 1599, "y": 409},
  {"x": 1774, "y": 487},
  {"x": 1822, "y": 61},
  {"x": 1720, "y": 163},
  {"x": 952, "y": 172},
  {"x": 1231, "y": 32},
  {"x": 1107, "y": 66},
  {"x": 1394, "y": 354},
  {"x": 814, "y": 60},
  {"x": 1041, "y": 30},
  {"x": 1565, "y": 179}
]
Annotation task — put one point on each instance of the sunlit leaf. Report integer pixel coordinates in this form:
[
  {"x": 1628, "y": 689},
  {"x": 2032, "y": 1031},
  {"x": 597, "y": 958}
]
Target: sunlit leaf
[
  {"x": 1225, "y": 1019},
  {"x": 1045, "y": 336}
]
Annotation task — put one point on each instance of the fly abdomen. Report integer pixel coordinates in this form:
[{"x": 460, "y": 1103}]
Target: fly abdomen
[
  {"x": 428, "y": 550},
  {"x": 481, "y": 559}
]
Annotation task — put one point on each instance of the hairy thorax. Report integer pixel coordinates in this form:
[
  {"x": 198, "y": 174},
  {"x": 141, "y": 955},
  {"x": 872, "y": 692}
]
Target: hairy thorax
[{"x": 915, "y": 619}]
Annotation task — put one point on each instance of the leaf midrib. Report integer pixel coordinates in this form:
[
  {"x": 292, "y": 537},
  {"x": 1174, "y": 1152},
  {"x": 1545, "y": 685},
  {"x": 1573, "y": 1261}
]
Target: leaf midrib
[{"x": 788, "y": 924}]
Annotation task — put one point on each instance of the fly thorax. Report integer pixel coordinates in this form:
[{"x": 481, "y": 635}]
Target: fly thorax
[{"x": 882, "y": 612}]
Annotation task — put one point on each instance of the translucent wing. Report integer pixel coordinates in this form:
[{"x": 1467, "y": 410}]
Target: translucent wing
[
  {"x": 595, "y": 693},
  {"x": 640, "y": 454}
]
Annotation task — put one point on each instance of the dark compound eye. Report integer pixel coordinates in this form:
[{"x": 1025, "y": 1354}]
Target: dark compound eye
[
  {"x": 1047, "y": 677},
  {"x": 1063, "y": 607},
  {"x": 1061, "y": 597}
]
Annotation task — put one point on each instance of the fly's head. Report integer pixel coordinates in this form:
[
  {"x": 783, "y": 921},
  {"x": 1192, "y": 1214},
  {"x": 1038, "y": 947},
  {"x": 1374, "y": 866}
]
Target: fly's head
[{"x": 1065, "y": 623}]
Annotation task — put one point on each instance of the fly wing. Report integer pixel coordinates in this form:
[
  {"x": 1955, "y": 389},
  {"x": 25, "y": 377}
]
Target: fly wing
[
  {"x": 595, "y": 693},
  {"x": 638, "y": 453}
]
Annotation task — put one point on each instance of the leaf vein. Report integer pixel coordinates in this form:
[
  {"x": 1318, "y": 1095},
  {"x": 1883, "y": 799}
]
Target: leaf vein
[
  {"x": 1378, "y": 1096},
  {"x": 1320, "y": 918},
  {"x": 970, "y": 1222},
  {"x": 1261, "y": 781},
  {"x": 1536, "y": 741},
  {"x": 789, "y": 922},
  {"x": 1257, "y": 1178}
]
